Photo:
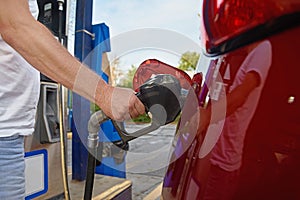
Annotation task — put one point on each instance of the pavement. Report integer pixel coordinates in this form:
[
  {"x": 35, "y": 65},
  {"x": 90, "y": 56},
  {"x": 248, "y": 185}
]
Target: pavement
[{"x": 146, "y": 162}]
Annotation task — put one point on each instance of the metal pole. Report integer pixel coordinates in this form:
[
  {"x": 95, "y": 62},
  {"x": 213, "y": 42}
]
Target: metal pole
[{"x": 81, "y": 106}]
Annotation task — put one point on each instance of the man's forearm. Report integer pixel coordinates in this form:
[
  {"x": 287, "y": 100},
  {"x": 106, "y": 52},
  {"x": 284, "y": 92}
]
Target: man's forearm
[{"x": 38, "y": 46}]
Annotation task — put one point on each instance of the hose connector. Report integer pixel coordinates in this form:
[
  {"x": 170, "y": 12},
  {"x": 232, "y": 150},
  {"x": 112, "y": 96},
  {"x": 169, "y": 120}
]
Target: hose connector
[{"x": 93, "y": 128}]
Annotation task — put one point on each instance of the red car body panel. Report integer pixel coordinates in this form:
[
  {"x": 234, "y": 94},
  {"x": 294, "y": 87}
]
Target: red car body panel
[{"x": 271, "y": 153}]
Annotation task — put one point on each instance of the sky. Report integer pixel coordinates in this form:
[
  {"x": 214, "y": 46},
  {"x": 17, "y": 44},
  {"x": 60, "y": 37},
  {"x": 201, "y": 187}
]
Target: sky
[
  {"x": 124, "y": 15},
  {"x": 140, "y": 29}
]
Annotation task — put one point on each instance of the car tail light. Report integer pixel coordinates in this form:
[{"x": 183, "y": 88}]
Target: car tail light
[{"x": 228, "y": 24}]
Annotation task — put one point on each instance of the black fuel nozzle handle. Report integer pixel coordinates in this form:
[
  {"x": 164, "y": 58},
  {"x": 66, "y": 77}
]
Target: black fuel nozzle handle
[
  {"x": 143, "y": 100},
  {"x": 161, "y": 96},
  {"x": 125, "y": 136}
]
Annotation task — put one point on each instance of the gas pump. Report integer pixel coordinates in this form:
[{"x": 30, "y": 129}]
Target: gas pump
[{"x": 45, "y": 149}]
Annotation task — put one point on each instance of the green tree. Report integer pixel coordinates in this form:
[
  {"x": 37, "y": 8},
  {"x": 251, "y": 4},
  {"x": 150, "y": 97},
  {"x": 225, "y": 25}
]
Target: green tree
[
  {"x": 127, "y": 80},
  {"x": 188, "y": 61}
]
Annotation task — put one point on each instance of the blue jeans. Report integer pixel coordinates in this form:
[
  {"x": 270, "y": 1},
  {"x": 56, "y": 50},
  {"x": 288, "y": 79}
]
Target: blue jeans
[{"x": 12, "y": 167}]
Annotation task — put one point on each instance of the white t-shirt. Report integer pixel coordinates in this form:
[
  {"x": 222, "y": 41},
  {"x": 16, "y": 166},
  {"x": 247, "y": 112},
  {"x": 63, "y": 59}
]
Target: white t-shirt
[
  {"x": 19, "y": 89},
  {"x": 227, "y": 146}
]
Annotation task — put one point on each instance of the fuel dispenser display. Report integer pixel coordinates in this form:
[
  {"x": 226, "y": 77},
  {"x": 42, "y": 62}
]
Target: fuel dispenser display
[
  {"x": 52, "y": 14},
  {"x": 49, "y": 16}
]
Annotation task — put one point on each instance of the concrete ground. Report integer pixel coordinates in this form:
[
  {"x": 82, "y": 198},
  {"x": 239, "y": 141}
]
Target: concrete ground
[{"x": 146, "y": 160}]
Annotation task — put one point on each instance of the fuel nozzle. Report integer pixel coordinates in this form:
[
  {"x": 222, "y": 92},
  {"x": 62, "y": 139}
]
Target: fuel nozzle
[{"x": 162, "y": 97}]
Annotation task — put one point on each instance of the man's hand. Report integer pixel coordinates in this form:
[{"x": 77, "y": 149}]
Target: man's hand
[{"x": 120, "y": 103}]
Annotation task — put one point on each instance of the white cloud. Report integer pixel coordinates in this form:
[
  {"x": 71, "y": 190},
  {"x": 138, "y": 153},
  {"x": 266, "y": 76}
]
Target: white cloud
[{"x": 122, "y": 16}]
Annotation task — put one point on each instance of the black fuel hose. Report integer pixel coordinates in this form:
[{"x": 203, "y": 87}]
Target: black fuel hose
[
  {"x": 93, "y": 141},
  {"x": 90, "y": 174}
]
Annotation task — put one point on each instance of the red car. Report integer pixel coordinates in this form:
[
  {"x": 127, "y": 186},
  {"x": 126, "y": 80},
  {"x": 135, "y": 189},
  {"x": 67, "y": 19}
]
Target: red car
[{"x": 239, "y": 138}]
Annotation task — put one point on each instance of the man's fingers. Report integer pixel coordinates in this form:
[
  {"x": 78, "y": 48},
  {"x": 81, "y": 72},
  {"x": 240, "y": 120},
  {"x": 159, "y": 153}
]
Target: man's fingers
[
  {"x": 136, "y": 107},
  {"x": 125, "y": 105},
  {"x": 134, "y": 113},
  {"x": 140, "y": 108}
]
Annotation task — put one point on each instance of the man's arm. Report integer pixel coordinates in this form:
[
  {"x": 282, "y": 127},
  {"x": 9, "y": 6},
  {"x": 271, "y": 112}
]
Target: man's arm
[{"x": 38, "y": 46}]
